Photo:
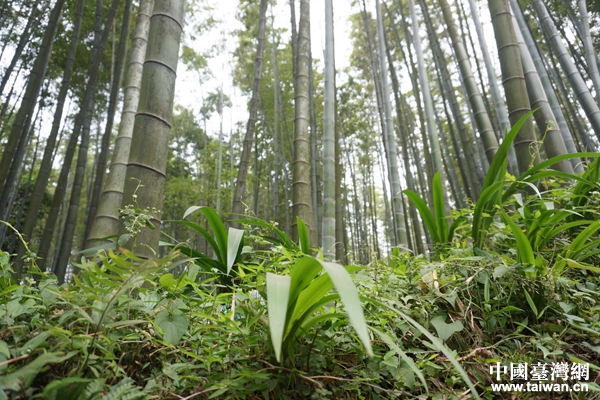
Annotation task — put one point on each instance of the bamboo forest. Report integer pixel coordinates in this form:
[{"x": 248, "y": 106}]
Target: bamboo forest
[{"x": 295, "y": 199}]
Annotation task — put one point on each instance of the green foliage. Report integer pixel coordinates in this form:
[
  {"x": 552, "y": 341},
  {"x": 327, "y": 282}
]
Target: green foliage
[
  {"x": 435, "y": 221},
  {"x": 226, "y": 244},
  {"x": 141, "y": 329},
  {"x": 293, "y": 299}
]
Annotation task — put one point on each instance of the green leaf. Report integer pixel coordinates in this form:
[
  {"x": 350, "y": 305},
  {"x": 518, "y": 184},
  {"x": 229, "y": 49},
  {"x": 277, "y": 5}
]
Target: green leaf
[
  {"x": 173, "y": 323},
  {"x": 278, "y": 292},
  {"x": 440, "y": 208},
  {"x": 24, "y": 376},
  {"x": 485, "y": 205},
  {"x": 524, "y": 250},
  {"x": 575, "y": 264},
  {"x": 454, "y": 226},
  {"x": 303, "y": 236},
  {"x": 426, "y": 215},
  {"x": 493, "y": 175},
  {"x": 436, "y": 342},
  {"x": 349, "y": 295},
  {"x": 218, "y": 230},
  {"x": 190, "y": 210},
  {"x": 444, "y": 330},
  {"x": 211, "y": 241},
  {"x": 577, "y": 244},
  {"x": 233, "y": 246},
  {"x": 531, "y": 302},
  {"x": 302, "y": 273},
  {"x": 284, "y": 239},
  {"x": 167, "y": 281},
  {"x": 388, "y": 340}
]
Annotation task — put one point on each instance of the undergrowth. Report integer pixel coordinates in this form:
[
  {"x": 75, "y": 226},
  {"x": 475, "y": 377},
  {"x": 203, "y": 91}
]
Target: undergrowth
[{"x": 516, "y": 280}]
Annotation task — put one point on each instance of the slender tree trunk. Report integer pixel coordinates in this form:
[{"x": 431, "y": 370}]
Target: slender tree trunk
[
  {"x": 329, "y": 167},
  {"x": 14, "y": 149},
  {"x": 544, "y": 117},
  {"x": 317, "y": 199},
  {"x": 106, "y": 221},
  {"x": 547, "y": 86},
  {"x": 23, "y": 40},
  {"x": 240, "y": 185},
  {"x": 276, "y": 124},
  {"x": 294, "y": 35},
  {"x": 590, "y": 53},
  {"x": 149, "y": 144},
  {"x": 399, "y": 229},
  {"x": 301, "y": 196},
  {"x": 471, "y": 172},
  {"x": 403, "y": 144},
  {"x": 482, "y": 119},
  {"x": 112, "y": 107},
  {"x": 432, "y": 132},
  {"x": 514, "y": 83},
  {"x": 574, "y": 77},
  {"x": 499, "y": 104},
  {"x": 82, "y": 127}
]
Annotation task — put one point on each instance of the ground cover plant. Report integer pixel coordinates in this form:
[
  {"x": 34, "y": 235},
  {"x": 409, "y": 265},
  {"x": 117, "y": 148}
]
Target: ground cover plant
[{"x": 514, "y": 279}]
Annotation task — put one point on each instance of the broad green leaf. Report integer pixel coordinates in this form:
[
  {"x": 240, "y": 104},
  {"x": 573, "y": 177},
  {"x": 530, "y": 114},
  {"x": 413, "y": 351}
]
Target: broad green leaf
[
  {"x": 218, "y": 230},
  {"x": 284, "y": 239},
  {"x": 525, "y": 252},
  {"x": 4, "y": 349},
  {"x": 278, "y": 292},
  {"x": 577, "y": 244},
  {"x": 173, "y": 323},
  {"x": 426, "y": 215},
  {"x": 167, "y": 280},
  {"x": 493, "y": 175},
  {"x": 303, "y": 236},
  {"x": 302, "y": 274},
  {"x": 349, "y": 295},
  {"x": 444, "y": 330},
  {"x": 190, "y": 210},
  {"x": 34, "y": 343},
  {"x": 211, "y": 241},
  {"x": 484, "y": 205},
  {"x": 233, "y": 246},
  {"x": 66, "y": 388},
  {"x": 454, "y": 226}
]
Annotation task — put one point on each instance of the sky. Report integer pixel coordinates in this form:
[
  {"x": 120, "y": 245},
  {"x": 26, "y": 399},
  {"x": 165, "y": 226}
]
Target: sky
[{"x": 188, "y": 91}]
